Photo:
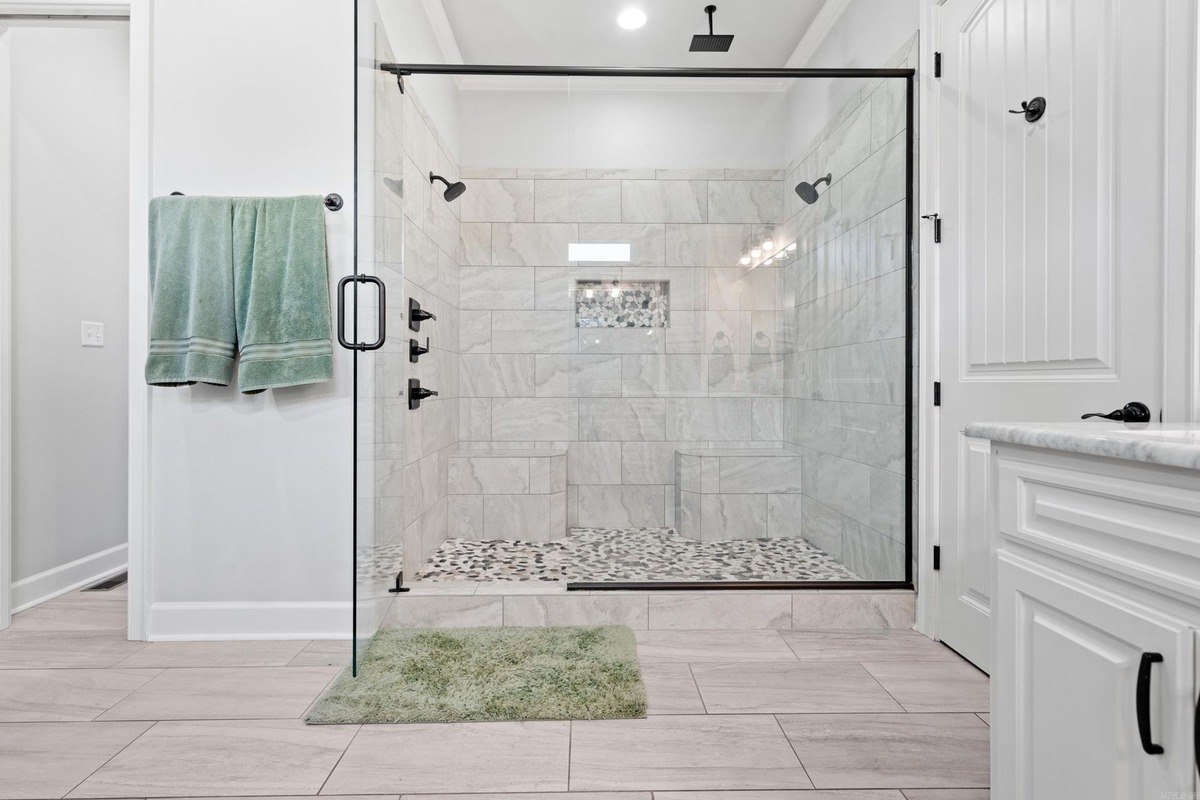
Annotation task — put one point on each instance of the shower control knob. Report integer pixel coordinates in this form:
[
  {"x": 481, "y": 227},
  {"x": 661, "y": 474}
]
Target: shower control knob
[
  {"x": 415, "y": 351},
  {"x": 416, "y": 394},
  {"x": 417, "y": 315}
]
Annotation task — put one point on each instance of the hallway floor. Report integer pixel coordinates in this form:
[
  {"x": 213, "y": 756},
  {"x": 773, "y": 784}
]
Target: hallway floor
[{"x": 881, "y": 715}]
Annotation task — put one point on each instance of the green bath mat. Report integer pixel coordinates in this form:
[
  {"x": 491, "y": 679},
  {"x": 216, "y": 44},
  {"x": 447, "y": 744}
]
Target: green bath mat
[{"x": 488, "y": 675}]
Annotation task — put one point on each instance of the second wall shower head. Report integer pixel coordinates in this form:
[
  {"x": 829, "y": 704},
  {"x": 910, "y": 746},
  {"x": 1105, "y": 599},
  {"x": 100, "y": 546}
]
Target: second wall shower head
[
  {"x": 453, "y": 190},
  {"x": 808, "y": 191}
]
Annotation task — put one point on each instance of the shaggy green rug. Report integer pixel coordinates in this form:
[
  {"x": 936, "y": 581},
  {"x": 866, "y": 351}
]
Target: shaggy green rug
[{"x": 489, "y": 674}]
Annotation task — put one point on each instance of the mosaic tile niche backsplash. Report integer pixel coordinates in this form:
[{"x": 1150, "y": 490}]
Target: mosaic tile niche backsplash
[{"x": 622, "y": 304}]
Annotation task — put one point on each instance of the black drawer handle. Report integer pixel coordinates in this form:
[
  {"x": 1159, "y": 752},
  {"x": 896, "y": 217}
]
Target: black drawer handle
[{"x": 1143, "y": 702}]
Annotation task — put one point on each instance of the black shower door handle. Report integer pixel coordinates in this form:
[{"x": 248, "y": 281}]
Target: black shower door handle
[
  {"x": 1143, "y": 703},
  {"x": 341, "y": 313}
]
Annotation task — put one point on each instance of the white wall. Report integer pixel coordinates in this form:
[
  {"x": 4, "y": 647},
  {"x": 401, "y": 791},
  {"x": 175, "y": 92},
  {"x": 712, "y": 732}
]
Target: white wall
[
  {"x": 70, "y": 184},
  {"x": 581, "y": 126},
  {"x": 869, "y": 33},
  {"x": 250, "y": 497}
]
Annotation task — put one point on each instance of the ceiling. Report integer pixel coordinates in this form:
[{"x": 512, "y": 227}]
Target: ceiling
[{"x": 585, "y": 32}]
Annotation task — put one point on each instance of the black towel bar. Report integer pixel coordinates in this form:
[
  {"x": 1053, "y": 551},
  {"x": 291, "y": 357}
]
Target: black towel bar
[{"x": 333, "y": 201}]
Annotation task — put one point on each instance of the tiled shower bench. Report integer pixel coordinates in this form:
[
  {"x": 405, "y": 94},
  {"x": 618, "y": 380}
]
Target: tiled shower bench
[
  {"x": 508, "y": 494},
  {"x": 737, "y": 493}
]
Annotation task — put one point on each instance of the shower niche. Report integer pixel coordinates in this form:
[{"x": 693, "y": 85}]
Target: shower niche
[{"x": 622, "y": 304}]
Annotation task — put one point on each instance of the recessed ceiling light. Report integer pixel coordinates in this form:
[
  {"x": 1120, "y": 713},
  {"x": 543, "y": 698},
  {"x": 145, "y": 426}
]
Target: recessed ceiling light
[{"x": 631, "y": 19}]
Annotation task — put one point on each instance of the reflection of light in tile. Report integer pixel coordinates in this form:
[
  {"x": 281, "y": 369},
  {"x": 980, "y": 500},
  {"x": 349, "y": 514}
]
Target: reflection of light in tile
[{"x": 598, "y": 251}]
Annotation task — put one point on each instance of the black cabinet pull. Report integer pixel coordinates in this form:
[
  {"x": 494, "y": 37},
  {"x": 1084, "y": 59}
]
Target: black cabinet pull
[
  {"x": 1143, "y": 703},
  {"x": 1132, "y": 412}
]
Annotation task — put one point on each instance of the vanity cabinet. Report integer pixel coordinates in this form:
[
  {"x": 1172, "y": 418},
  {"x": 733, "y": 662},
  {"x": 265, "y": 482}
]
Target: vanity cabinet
[{"x": 1095, "y": 618}]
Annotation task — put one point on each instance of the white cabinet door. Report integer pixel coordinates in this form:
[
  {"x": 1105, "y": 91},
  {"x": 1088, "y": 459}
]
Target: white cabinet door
[
  {"x": 1050, "y": 273},
  {"x": 1069, "y": 670}
]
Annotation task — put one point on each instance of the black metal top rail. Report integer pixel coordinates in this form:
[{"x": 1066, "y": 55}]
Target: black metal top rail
[{"x": 640, "y": 72}]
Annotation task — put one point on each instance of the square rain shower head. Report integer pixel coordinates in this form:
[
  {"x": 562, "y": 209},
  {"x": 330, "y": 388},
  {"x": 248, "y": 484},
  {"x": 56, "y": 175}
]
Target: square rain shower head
[{"x": 711, "y": 43}]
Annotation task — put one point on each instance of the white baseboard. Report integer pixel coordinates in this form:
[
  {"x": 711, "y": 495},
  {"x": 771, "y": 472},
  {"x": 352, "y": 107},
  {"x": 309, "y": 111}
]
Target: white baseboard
[
  {"x": 183, "y": 622},
  {"x": 28, "y": 592}
]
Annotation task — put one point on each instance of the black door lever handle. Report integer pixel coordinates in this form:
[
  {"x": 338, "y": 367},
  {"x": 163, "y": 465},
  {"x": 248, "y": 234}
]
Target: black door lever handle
[{"x": 1132, "y": 412}]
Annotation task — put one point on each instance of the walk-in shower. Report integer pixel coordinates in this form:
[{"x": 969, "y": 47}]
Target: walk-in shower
[{"x": 667, "y": 355}]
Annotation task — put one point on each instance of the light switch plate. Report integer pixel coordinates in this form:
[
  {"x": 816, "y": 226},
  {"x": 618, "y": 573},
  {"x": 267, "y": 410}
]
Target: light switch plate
[{"x": 92, "y": 334}]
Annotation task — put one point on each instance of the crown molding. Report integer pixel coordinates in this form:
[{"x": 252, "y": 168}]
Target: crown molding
[{"x": 435, "y": 12}]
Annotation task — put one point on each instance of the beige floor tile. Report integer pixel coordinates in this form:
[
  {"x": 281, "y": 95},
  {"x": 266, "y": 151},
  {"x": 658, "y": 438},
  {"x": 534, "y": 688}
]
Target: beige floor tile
[
  {"x": 65, "y": 695},
  {"x": 866, "y": 646},
  {"x": 725, "y": 610},
  {"x": 47, "y": 759},
  {"x": 851, "y": 610},
  {"x": 537, "y": 796},
  {"x": 324, "y": 653},
  {"x": 65, "y": 649},
  {"x": 947, "y": 794},
  {"x": 809, "y": 794},
  {"x": 93, "y": 611},
  {"x": 226, "y": 693},
  {"x": 671, "y": 689},
  {"x": 890, "y": 750},
  {"x": 706, "y": 646},
  {"x": 216, "y": 654},
  {"x": 465, "y": 758},
  {"x": 790, "y": 688},
  {"x": 987, "y": 718},
  {"x": 683, "y": 752},
  {"x": 444, "y": 611},
  {"x": 939, "y": 686},
  {"x": 200, "y": 759}
]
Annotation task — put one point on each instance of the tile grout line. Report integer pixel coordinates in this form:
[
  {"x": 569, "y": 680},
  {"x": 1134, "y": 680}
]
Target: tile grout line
[
  {"x": 342, "y": 755},
  {"x": 792, "y": 746},
  {"x": 696, "y": 684},
  {"x": 903, "y": 708},
  {"x": 109, "y": 760}
]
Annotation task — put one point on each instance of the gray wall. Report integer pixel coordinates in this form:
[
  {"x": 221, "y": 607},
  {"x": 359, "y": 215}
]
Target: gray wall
[{"x": 70, "y": 156}]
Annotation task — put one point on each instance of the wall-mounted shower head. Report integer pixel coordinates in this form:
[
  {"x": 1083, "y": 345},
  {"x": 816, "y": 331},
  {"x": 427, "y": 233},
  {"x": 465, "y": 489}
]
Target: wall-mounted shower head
[
  {"x": 711, "y": 43},
  {"x": 808, "y": 191},
  {"x": 453, "y": 190}
]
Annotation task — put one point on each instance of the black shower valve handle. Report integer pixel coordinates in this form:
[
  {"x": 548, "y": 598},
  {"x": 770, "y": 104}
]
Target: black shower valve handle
[{"x": 1131, "y": 412}]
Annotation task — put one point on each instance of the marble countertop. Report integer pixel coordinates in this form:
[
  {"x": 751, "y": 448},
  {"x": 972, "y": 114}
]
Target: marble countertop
[{"x": 1172, "y": 445}]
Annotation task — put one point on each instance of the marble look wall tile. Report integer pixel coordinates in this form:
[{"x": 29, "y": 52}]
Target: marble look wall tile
[
  {"x": 825, "y": 528},
  {"x": 784, "y": 515},
  {"x": 578, "y": 201},
  {"x": 622, "y": 340},
  {"x": 476, "y": 243},
  {"x": 534, "y": 420},
  {"x": 843, "y": 485},
  {"x": 708, "y": 419},
  {"x": 489, "y": 475},
  {"x": 496, "y": 288},
  {"x": 689, "y": 174},
  {"x": 712, "y": 245},
  {"x": 552, "y": 173},
  {"x": 578, "y": 375},
  {"x": 475, "y": 331},
  {"x": 745, "y": 201},
  {"x": 888, "y": 112},
  {"x": 651, "y": 462},
  {"x": 490, "y": 200},
  {"x": 753, "y": 174},
  {"x": 555, "y": 286},
  {"x": 532, "y": 244},
  {"x": 646, "y": 241},
  {"x": 576, "y": 609},
  {"x": 873, "y": 556},
  {"x": 686, "y": 334},
  {"x": 760, "y": 474},
  {"x": 475, "y": 419},
  {"x": 624, "y": 419},
  {"x": 733, "y": 516},
  {"x": 517, "y": 516},
  {"x": 687, "y": 472},
  {"x": 425, "y": 611},
  {"x": 663, "y": 375},
  {"x": 874, "y": 435},
  {"x": 594, "y": 463},
  {"x": 622, "y": 506},
  {"x": 710, "y": 474},
  {"x": 533, "y": 332},
  {"x": 475, "y": 173},
  {"x": 466, "y": 517},
  {"x": 621, "y": 174},
  {"x": 767, "y": 420},
  {"x": 664, "y": 201},
  {"x": 873, "y": 185},
  {"x": 817, "y": 610},
  {"x": 688, "y": 514},
  {"x": 887, "y": 503},
  {"x": 848, "y": 146},
  {"x": 497, "y": 375},
  {"x": 816, "y": 424}
]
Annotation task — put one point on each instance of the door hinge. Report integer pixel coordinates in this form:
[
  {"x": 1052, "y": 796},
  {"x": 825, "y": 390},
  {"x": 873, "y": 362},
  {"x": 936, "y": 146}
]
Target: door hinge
[
  {"x": 937, "y": 226},
  {"x": 937, "y": 557},
  {"x": 937, "y": 65},
  {"x": 937, "y": 393}
]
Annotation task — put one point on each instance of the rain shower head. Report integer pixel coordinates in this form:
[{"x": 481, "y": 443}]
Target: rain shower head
[
  {"x": 808, "y": 191},
  {"x": 453, "y": 190},
  {"x": 711, "y": 43}
]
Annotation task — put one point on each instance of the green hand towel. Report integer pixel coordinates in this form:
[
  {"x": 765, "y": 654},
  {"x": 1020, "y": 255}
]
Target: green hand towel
[
  {"x": 281, "y": 292},
  {"x": 192, "y": 328}
]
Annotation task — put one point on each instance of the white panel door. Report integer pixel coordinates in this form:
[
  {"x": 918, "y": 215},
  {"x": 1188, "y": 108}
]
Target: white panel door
[
  {"x": 1050, "y": 273},
  {"x": 1072, "y": 728}
]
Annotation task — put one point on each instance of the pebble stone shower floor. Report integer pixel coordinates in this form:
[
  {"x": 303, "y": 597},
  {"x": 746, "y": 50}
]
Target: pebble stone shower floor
[
  {"x": 603, "y": 555},
  {"x": 805, "y": 714}
]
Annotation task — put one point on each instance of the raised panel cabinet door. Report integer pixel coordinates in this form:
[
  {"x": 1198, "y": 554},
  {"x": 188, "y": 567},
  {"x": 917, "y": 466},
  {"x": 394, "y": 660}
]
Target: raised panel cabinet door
[
  {"x": 1050, "y": 274},
  {"x": 1069, "y": 656}
]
